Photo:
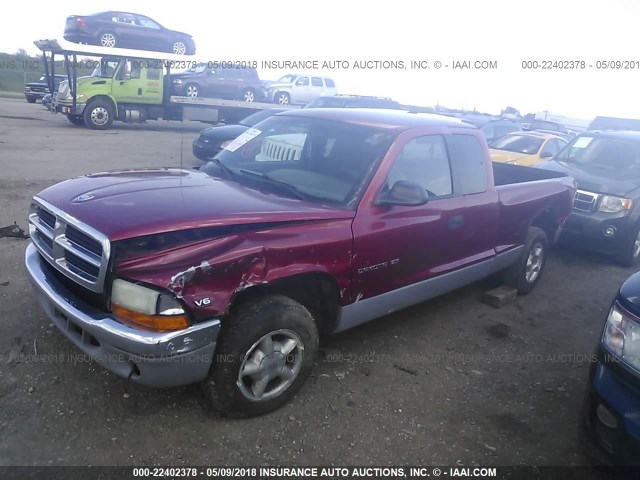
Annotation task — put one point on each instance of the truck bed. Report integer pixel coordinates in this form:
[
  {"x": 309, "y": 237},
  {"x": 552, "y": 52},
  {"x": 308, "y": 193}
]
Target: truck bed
[
  {"x": 506, "y": 174},
  {"x": 530, "y": 196}
]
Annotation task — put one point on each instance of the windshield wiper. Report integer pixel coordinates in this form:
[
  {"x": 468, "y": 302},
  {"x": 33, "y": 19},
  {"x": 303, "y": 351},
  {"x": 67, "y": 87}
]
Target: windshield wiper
[
  {"x": 228, "y": 172},
  {"x": 272, "y": 181}
]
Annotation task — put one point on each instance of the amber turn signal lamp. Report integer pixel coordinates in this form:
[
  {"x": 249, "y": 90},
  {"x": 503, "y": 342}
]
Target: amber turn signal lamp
[{"x": 156, "y": 323}]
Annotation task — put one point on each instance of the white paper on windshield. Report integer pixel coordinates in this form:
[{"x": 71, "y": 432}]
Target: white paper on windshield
[
  {"x": 243, "y": 139},
  {"x": 582, "y": 142}
]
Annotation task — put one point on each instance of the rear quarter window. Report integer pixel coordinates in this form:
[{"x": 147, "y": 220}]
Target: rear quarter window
[
  {"x": 468, "y": 160},
  {"x": 329, "y": 83}
]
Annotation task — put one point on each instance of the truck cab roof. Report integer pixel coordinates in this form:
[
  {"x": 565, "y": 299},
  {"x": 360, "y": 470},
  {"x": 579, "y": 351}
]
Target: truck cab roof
[{"x": 385, "y": 119}]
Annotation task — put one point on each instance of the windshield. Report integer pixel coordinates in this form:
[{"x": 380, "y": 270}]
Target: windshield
[
  {"x": 318, "y": 160},
  {"x": 105, "y": 69},
  {"x": 518, "y": 143},
  {"x": 287, "y": 79},
  {"x": 257, "y": 117},
  {"x": 604, "y": 153}
]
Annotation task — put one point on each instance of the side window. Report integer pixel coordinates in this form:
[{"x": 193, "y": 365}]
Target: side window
[
  {"x": 302, "y": 82},
  {"x": 468, "y": 163},
  {"x": 550, "y": 149},
  {"x": 153, "y": 73},
  {"x": 329, "y": 83},
  {"x": 148, "y": 23},
  {"x": 424, "y": 161},
  {"x": 135, "y": 69},
  {"x": 316, "y": 82}
]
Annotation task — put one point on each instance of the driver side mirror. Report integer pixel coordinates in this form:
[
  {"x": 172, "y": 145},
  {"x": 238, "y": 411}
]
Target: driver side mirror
[
  {"x": 546, "y": 155},
  {"x": 404, "y": 193}
]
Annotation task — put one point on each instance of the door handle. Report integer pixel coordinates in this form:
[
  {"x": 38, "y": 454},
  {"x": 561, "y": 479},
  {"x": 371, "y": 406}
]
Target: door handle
[{"x": 456, "y": 221}]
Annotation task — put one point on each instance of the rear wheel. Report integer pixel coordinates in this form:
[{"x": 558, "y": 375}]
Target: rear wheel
[
  {"x": 108, "y": 39},
  {"x": 263, "y": 356},
  {"x": 630, "y": 253},
  {"x": 282, "y": 98},
  {"x": 98, "y": 114},
  {"x": 192, "y": 90},
  {"x": 76, "y": 119},
  {"x": 526, "y": 272}
]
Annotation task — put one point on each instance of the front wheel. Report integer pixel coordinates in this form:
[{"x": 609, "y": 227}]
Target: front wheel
[
  {"x": 526, "y": 272},
  {"x": 179, "y": 47},
  {"x": 282, "y": 98},
  {"x": 31, "y": 99},
  {"x": 264, "y": 355},
  {"x": 629, "y": 255},
  {"x": 98, "y": 114}
]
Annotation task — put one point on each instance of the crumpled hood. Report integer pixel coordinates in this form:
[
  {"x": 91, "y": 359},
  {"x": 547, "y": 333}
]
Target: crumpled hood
[
  {"x": 595, "y": 180},
  {"x": 129, "y": 204}
]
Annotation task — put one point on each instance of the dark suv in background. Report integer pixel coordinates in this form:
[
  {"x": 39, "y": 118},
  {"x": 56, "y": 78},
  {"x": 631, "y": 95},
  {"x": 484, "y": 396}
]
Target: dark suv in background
[
  {"x": 130, "y": 30},
  {"x": 606, "y": 208},
  {"x": 230, "y": 83},
  {"x": 37, "y": 90}
]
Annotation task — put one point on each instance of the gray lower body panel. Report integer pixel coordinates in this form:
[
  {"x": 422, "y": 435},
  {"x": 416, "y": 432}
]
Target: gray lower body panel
[{"x": 364, "y": 310}]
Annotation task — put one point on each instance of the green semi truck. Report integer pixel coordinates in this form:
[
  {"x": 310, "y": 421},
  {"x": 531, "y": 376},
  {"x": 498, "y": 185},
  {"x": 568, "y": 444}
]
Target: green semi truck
[{"x": 130, "y": 86}]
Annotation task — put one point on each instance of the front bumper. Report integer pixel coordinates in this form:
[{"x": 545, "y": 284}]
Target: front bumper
[
  {"x": 204, "y": 151},
  {"x": 69, "y": 109},
  {"x": 587, "y": 230},
  {"x": 149, "y": 358},
  {"x": 615, "y": 389},
  {"x": 36, "y": 95}
]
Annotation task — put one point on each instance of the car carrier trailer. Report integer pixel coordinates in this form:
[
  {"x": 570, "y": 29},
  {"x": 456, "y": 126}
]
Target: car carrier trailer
[{"x": 130, "y": 86}]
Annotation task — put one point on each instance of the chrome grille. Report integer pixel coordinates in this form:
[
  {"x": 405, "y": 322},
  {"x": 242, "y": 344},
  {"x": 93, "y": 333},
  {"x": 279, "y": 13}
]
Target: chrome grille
[
  {"x": 73, "y": 248},
  {"x": 585, "y": 201}
]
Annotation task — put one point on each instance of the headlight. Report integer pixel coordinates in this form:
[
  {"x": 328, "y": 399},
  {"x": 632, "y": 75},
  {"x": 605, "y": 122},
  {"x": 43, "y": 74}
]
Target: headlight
[
  {"x": 144, "y": 307},
  {"x": 512, "y": 162},
  {"x": 614, "y": 204},
  {"x": 225, "y": 143},
  {"x": 622, "y": 336},
  {"x": 177, "y": 81}
]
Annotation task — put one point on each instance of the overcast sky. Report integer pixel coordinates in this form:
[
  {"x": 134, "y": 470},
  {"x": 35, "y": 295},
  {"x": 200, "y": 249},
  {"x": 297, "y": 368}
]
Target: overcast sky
[{"x": 508, "y": 32}]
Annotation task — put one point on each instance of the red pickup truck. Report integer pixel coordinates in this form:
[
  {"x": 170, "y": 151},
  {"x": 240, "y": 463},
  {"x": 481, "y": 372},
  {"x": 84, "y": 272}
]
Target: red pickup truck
[{"x": 310, "y": 223}]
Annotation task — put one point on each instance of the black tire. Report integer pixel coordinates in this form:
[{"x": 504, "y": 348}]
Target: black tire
[
  {"x": 248, "y": 95},
  {"x": 629, "y": 255},
  {"x": 107, "y": 39},
  {"x": 31, "y": 99},
  {"x": 282, "y": 98},
  {"x": 76, "y": 120},
  {"x": 523, "y": 275},
  {"x": 179, "y": 47},
  {"x": 240, "y": 343},
  {"x": 98, "y": 114},
  {"x": 192, "y": 90}
]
